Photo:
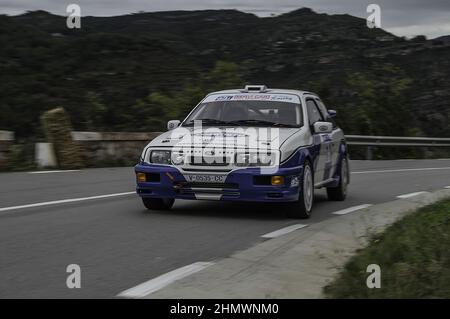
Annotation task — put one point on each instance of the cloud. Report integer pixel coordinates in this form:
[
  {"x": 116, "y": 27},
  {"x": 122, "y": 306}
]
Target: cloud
[{"x": 402, "y": 17}]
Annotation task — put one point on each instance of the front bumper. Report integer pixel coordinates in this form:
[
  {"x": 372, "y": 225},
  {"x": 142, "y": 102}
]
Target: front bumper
[{"x": 239, "y": 185}]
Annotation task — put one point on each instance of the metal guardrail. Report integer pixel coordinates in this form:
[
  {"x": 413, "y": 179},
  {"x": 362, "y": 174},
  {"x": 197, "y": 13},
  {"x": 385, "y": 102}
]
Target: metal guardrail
[
  {"x": 6, "y": 136},
  {"x": 365, "y": 140}
]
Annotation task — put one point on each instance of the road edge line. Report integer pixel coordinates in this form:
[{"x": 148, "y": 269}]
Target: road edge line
[
  {"x": 401, "y": 170},
  {"x": 63, "y": 201},
  {"x": 54, "y": 171},
  {"x": 352, "y": 209},
  {"x": 163, "y": 280},
  {"x": 409, "y": 195},
  {"x": 284, "y": 231}
]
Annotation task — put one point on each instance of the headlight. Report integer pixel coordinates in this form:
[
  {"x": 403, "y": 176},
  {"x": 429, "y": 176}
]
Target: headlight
[
  {"x": 177, "y": 158},
  {"x": 160, "y": 157},
  {"x": 255, "y": 159}
]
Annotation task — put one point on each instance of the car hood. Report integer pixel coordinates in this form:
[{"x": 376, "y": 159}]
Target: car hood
[{"x": 237, "y": 137}]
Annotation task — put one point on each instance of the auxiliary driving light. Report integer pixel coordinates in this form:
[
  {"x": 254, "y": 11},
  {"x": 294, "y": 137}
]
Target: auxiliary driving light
[
  {"x": 141, "y": 178},
  {"x": 277, "y": 180}
]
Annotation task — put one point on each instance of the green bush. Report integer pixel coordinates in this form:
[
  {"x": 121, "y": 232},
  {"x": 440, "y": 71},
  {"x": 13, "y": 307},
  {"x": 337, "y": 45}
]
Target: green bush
[
  {"x": 414, "y": 257},
  {"x": 21, "y": 157}
]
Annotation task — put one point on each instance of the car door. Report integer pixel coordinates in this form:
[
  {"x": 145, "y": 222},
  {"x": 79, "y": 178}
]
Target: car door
[
  {"x": 322, "y": 143},
  {"x": 336, "y": 137}
]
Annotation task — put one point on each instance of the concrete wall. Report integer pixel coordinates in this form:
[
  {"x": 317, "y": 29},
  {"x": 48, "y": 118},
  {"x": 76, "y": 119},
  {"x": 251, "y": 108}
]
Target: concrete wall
[
  {"x": 112, "y": 148},
  {"x": 6, "y": 140}
]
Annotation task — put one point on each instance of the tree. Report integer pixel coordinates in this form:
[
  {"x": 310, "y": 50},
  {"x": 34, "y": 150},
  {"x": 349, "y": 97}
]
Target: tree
[
  {"x": 152, "y": 112},
  {"x": 379, "y": 103}
]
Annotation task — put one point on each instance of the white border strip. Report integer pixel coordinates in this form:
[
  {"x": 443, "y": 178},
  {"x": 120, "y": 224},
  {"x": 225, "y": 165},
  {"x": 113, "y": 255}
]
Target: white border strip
[
  {"x": 447, "y": 187},
  {"x": 63, "y": 201},
  {"x": 403, "y": 170},
  {"x": 283, "y": 231},
  {"x": 164, "y": 280},
  {"x": 351, "y": 209},
  {"x": 411, "y": 195}
]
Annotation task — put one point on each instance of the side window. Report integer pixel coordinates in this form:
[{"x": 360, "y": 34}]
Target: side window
[
  {"x": 313, "y": 112},
  {"x": 324, "y": 111}
]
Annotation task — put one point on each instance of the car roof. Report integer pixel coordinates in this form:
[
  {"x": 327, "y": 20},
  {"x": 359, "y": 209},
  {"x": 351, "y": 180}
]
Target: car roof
[{"x": 267, "y": 90}]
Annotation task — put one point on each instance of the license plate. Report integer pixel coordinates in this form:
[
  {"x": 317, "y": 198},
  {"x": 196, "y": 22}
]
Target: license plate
[{"x": 205, "y": 178}]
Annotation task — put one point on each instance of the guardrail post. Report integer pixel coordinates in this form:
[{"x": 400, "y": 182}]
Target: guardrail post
[
  {"x": 6, "y": 141},
  {"x": 369, "y": 153}
]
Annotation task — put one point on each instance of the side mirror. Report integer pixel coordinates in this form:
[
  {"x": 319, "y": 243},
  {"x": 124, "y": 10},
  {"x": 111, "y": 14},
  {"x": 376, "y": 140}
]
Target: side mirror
[
  {"x": 323, "y": 127},
  {"x": 332, "y": 113},
  {"x": 173, "y": 124}
]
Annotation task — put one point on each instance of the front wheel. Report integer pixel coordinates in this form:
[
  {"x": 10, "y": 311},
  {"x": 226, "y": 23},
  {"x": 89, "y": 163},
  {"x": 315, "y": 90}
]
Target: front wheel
[
  {"x": 303, "y": 206},
  {"x": 158, "y": 203},
  {"x": 340, "y": 192}
]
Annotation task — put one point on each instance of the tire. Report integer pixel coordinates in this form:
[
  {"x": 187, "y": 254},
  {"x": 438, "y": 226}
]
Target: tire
[
  {"x": 302, "y": 208},
  {"x": 340, "y": 192},
  {"x": 158, "y": 203}
]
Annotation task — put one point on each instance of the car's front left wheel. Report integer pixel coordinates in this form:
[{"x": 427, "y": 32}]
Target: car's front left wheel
[
  {"x": 158, "y": 203},
  {"x": 303, "y": 206}
]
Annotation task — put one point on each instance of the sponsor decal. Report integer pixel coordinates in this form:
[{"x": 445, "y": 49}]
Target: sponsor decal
[
  {"x": 224, "y": 98},
  {"x": 288, "y": 98}
]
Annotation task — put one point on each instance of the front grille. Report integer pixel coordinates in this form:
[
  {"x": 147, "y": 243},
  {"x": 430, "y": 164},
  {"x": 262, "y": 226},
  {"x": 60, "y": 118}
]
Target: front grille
[
  {"x": 228, "y": 189},
  {"x": 209, "y": 161},
  {"x": 209, "y": 170}
]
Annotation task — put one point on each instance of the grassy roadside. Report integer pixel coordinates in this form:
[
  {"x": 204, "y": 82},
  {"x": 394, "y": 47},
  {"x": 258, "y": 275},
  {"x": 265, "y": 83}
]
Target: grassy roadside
[{"x": 414, "y": 256}]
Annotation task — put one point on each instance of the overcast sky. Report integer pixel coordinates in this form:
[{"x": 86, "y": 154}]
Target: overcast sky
[{"x": 401, "y": 17}]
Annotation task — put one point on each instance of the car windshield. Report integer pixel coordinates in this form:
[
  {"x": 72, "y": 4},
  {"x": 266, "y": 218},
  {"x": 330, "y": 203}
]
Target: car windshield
[{"x": 247, "y": 113}]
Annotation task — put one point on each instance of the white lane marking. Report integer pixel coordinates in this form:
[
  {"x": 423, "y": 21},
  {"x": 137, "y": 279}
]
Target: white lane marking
[
  {"x": 51, "y": 172},
  {"x": 63, "y": 201},
  {"x": 351, "y": 209},
  {"x": 411, "y": 195},
  {"x": 447, "y": 187},
  {"x": 164, "y": 280},
  {"x": 283, "y": 231},
  {"x": 403, "y": 170}
]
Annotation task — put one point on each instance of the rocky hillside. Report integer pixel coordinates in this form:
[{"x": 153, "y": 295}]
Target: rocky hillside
[{"x": 132, "y": 72}]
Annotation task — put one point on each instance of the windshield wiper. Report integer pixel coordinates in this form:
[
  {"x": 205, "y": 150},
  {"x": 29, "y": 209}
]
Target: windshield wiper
[
  {"x": 261, "y": 122},
  {"x": 210, "y": 121}
]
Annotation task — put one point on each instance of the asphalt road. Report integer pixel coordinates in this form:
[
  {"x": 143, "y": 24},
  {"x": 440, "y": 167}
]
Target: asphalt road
[{"x": 118, "y": 244}]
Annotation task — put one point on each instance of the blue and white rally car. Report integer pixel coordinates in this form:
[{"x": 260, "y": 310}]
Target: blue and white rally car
[{"x": 254, "y": 144}]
